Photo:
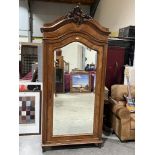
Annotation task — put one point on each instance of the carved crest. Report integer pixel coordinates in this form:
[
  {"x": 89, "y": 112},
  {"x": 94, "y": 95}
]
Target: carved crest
[{"x": 78, "y": 16}]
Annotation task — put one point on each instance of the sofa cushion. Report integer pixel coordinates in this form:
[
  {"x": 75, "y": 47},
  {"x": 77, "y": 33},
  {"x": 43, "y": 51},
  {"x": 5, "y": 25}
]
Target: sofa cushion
[{"x": 118, "y": 92}]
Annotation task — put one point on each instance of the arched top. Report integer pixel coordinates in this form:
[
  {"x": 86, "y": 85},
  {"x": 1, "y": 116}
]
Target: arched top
[
  {"x": 75, "y": 22},
  {"x": 72, "y": 39}
]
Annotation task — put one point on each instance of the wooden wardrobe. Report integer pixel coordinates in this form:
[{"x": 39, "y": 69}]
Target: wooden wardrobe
[{"x": 74, "y": 27}]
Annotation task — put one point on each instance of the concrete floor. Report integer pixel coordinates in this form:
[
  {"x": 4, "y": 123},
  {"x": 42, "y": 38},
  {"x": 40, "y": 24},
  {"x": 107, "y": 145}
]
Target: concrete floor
[
  {"x": 73, "y": 113},
  {"x": 31, "y": 145},
  {"x": 70, "y": 112}
]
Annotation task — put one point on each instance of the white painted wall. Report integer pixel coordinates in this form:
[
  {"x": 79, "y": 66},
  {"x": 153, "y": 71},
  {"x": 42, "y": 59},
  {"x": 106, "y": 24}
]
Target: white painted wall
[
  {"x": 45, "y": 12},
  {"x": 23, "y": 19},
  {"x": 91, "y": 56},
  {"x": 115, "y": 14},
  {"x": 42, "y": 12},
  {"x": 71, "y": 55}
]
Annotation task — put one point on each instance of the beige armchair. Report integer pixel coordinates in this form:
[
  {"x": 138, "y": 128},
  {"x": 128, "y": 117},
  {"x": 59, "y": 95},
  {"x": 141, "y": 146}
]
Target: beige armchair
[{"x": 122, "y": 121}]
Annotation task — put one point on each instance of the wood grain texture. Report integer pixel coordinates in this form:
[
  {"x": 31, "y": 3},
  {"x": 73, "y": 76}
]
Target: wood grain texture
[{"x": 57, "y": 35}]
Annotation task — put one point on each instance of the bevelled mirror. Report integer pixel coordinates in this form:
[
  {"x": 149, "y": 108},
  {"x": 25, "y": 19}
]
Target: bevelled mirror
[{"x": 74, "y": 64}]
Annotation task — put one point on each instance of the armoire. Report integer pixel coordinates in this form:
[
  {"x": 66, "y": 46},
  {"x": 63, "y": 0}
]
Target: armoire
[{"x": 120, "y": 53}]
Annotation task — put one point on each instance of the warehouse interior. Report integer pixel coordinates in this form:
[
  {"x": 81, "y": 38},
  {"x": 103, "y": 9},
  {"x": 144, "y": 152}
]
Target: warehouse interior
[
  {"x": 76, "y": 79},
  {"x": 72, "y": 79}
]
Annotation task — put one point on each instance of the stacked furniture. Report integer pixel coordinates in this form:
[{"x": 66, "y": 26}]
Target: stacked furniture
[
  {"x": 59, "y": 74},
  {"x": 31, "y": 54},
  {"x": 62, "y": 67}
]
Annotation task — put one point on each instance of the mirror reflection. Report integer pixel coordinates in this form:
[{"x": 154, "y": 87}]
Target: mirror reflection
[{"x": 74, "y": 98}]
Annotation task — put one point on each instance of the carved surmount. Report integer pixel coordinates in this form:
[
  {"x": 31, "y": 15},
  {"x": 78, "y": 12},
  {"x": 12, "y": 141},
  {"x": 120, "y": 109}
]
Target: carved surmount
[{"x": 78, "y": 16}]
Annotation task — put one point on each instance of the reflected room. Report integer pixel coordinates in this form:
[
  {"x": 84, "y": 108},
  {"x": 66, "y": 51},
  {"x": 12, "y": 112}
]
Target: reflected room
[{"x": 74, "y": 92}]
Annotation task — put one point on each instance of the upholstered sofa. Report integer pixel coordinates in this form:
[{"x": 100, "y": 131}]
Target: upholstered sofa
[{"x": 122, "y": 121}]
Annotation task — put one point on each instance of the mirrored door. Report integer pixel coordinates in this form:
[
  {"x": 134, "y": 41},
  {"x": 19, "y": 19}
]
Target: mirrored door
[{"x": 74, "y": 92}]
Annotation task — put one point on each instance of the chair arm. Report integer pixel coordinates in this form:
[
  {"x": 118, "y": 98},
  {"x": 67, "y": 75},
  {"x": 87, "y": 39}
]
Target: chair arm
[
  {"x": 119, "y": 109},
  {"x": 123, "y": 113}
]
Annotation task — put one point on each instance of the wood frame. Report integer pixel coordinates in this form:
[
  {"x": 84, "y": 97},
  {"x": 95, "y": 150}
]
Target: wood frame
[{"x": 73, "y": 27}]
